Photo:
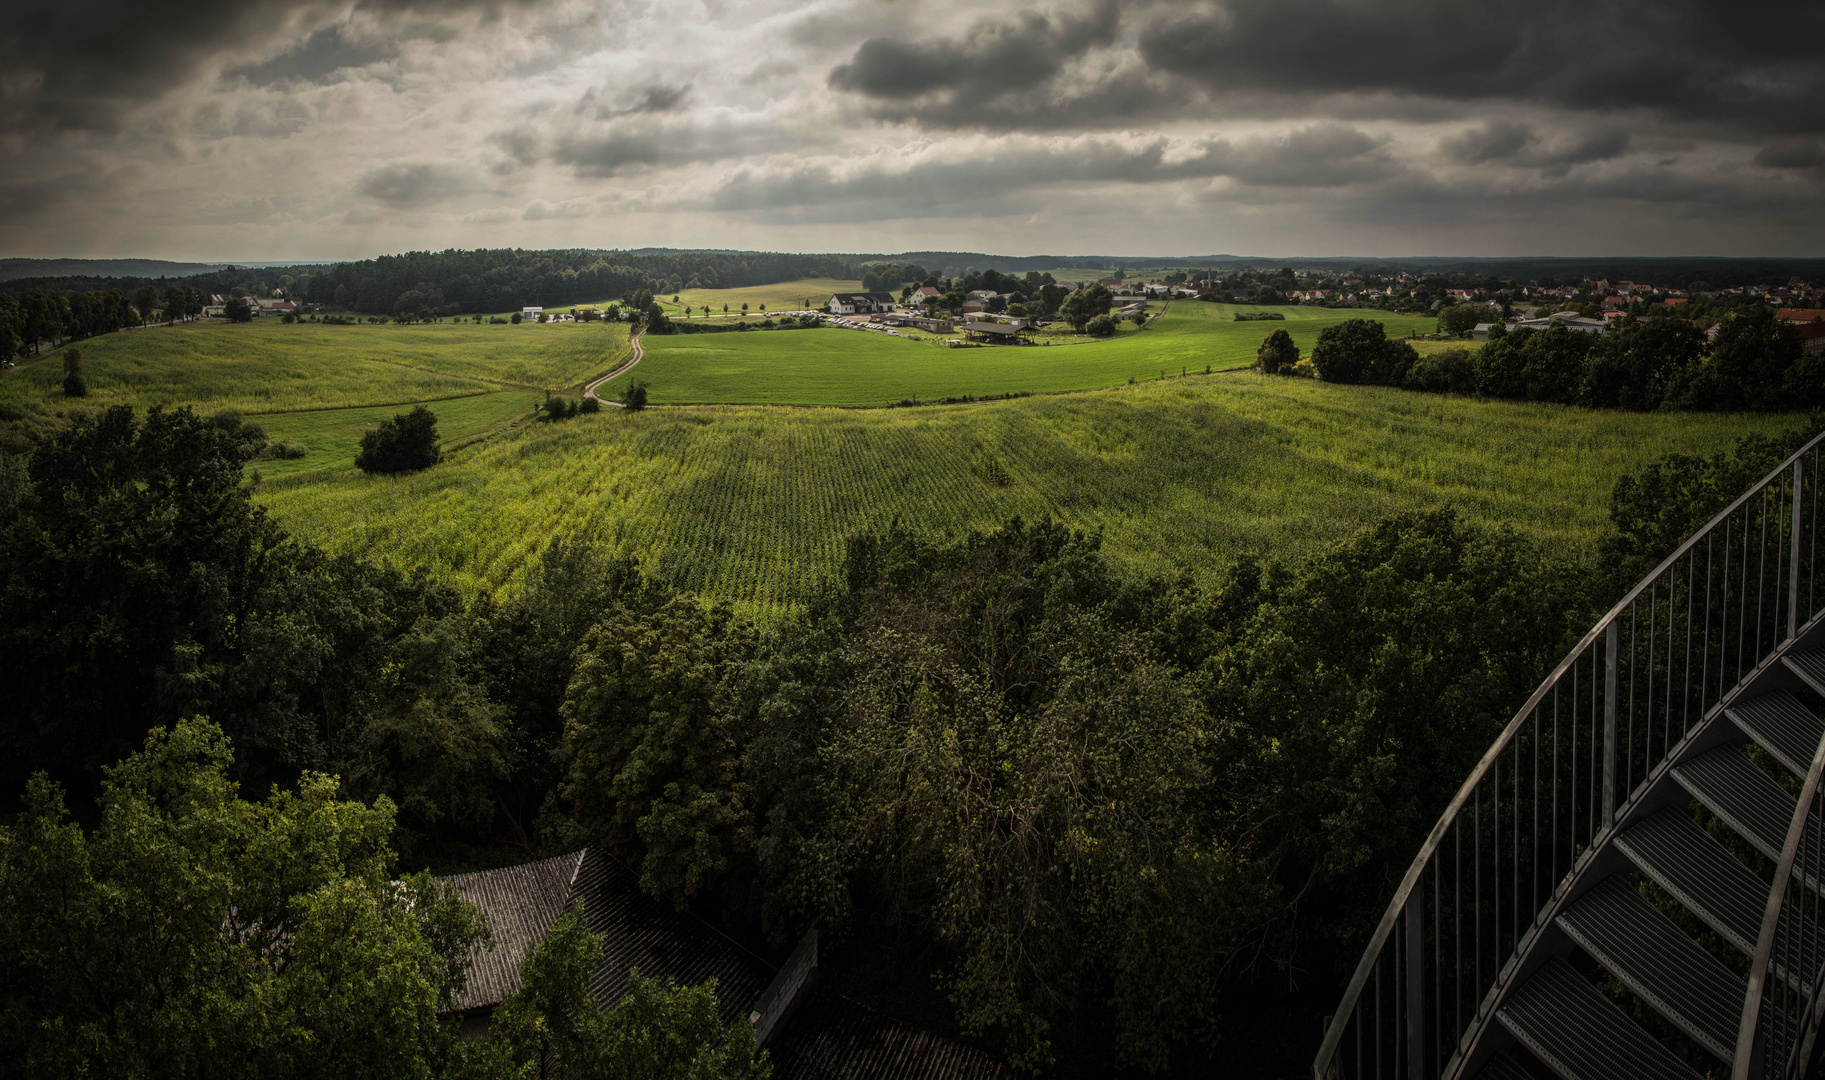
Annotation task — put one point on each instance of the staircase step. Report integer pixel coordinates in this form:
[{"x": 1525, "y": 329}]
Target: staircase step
[
  {"x": 1685, "y": 861},
  {"x": 1809, "y": 665},
  {"x": 1710, "y": 883},
  {"x": 1783, "y": 726},
  {"x": 1654, "y": 958},
  {"x": 1582, "y": 1035},
  {"x": 1730, "y": 786},
  {"x": 1503, "y": 1067}
]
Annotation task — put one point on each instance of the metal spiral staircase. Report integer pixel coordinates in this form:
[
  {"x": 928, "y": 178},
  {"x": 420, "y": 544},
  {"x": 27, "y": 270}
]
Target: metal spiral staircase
[{"x": 1631, "y": 883}]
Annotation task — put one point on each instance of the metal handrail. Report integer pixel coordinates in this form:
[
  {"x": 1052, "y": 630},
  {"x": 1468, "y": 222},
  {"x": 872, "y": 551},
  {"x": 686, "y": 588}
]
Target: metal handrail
[{"x": 1606, "y": 627}]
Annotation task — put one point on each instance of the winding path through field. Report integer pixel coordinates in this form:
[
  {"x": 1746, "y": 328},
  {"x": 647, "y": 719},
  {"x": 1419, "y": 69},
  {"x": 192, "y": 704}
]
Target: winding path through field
[{"x": 590, "y": 390}]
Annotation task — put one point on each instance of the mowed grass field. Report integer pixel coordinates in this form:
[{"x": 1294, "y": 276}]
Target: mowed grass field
[
  {"x": 268, "y": 367},
  {"x": 752, "y": 504},
  {"x": 835, "y": 366}
]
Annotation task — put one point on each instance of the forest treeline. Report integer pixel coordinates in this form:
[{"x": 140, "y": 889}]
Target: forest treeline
[
  {"x": 1754, "y": 362},
  {"x": 1108, "y": 810},
  {"x": 458, "y": 281}
]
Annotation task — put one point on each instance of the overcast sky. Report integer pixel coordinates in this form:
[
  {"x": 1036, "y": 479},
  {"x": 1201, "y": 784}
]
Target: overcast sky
[{"x": 313, "y": 129}]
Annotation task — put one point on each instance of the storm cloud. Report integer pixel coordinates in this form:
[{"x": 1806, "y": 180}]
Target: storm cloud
[{"x": 330, "y": 128}]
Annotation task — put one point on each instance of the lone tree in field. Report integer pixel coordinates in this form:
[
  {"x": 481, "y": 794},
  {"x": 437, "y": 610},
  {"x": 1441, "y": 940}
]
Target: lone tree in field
[
  {"x": 238, "y": 310},
  {"x": 74, "y": 385},
  {"x": 403, "y": 444},
  {"x": 634, "y": 395},
  {"x": 1358, "y": 351},
  {"x": 1277, "y": 353}
]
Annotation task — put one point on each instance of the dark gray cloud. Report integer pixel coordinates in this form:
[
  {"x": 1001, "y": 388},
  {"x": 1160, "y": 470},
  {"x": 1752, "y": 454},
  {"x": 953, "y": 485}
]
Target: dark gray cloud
[
  {"x": 1496, "y": 140},
  {"x": 1694, "y": 60},
  {"x": 659, "y": 98},
  {"x": 1005, "y": 180},
  {"x": 415, "y": 183},
  {"x": 81, "y": 65},
  {"x": 1510, "y": 142},
  {"x": 603, "y": 155},
  {"x": 329, "y": 50},
  {"x": 1797, "y": 153},
  {"x": 960, "y": 81}
]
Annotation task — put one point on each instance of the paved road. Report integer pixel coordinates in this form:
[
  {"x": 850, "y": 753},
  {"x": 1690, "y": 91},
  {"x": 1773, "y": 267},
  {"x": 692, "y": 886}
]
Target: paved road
[{"x": 590, "y": 390}]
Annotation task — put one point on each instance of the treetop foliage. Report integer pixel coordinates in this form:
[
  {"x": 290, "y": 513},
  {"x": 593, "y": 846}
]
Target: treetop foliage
[{"x": 406, "y": 443}]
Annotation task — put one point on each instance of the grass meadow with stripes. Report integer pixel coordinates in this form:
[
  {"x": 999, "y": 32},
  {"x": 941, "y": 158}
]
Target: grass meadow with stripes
[{"x": 752, "y": 504}]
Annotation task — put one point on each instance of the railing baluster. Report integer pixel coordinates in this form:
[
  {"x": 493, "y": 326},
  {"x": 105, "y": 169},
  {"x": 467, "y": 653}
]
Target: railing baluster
[
  {"x": 1416, "y": 960},
  {"x": 1793, "y": 573},
  {"x": 1685, "y": 698},
  {"x": 1612, "y": 656}
]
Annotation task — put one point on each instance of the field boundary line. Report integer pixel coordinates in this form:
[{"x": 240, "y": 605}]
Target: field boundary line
[
  {"x": 387, "y": 404},
  {"x": 499, "y": 384}
]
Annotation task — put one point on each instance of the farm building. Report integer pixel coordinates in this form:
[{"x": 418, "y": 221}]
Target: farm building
[
  {"x": 531, "y": 314},
  {"x": 809, "y": 1032},
  {"x": 988, "y": 331},
  {"x": 925, "y": 294},
  {"x": 860, "y": 303}
]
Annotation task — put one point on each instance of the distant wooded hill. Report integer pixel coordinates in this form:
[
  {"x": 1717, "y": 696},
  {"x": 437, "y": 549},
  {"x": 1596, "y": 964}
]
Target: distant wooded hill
[{"x": 11, "y": 269}]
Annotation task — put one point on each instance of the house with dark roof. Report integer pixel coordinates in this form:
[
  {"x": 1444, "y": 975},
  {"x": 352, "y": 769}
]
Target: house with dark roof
[{"x": 810, "y": 1033}]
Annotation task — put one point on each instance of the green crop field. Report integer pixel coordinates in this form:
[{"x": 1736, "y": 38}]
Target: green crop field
[
  {"x": 266, "y": 366},
  {"x": 332, "y": 436},
  {"x": 752, "y": 504},
  {"x": 835, "y": 366}
]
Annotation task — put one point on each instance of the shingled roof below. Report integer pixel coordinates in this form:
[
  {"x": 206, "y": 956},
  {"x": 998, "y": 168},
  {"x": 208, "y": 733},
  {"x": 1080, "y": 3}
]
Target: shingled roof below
[
  {"x": 834, "y": 1038},
  {"x": 639, "y": 932},
  {"x": 522, "y": 904},
  {"x": 828, "y": 1036}
]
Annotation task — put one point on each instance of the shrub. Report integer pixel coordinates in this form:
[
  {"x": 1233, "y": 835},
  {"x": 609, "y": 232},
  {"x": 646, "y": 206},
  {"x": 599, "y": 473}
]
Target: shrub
[
  {"x": 74, "y": 385},
  {"x": 590, "y": 405},
  {"x": 515, "y": 318},
  {"x": 1449, "y": 371},
  {"x": 1100, "y": 326},
  {"x": 1277, "y": 354},
  {"x": 286, "y": 449},
  {"x": 634, "y": 396},
  {"x": 403, "y": 444}
]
